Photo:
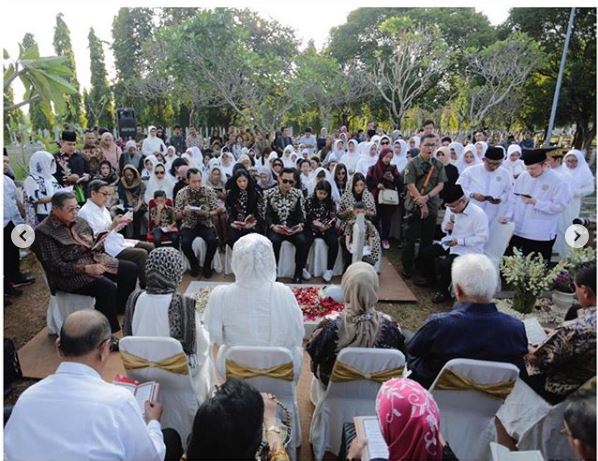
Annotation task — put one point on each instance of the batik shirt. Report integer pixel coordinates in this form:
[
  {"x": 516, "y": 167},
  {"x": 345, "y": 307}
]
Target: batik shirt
[
  {"x": 568, "y": 356},
  {"x": 285, "y": 209},
  {"x": 204, "y": 197}
]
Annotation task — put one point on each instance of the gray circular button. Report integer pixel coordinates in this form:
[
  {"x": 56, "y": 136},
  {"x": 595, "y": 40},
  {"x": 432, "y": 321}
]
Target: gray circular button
[
  {"x": 23, "y": 236},
  {"x": 577, "y": 236}
]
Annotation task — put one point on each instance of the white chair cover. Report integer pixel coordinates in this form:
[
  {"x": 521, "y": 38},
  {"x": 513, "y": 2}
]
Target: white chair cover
[
  {"x": 467, "y": 416},
  {"x": 199, "y": 248},
  {"x": 500, "y": 235},
  {"x": 176, "y": 392},
  {"x": 342, "y": 401},
  {"x": 535, "y": 423},
  {"x": 317, "y": 259},
  {"x": 286, "y": 261},
  {"x": 61, "y": 305},
  {"x": 285, "y": 391}
]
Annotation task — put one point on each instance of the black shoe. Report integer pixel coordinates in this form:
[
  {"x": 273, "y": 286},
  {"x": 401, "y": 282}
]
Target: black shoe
[
  {"x": 114, "y": 344},
  {"x": 10, "y": 290},
  {"x": 406, "y": 274},
  {"x": 207, "y": 272},
  {"x": 422, "y": 282},
  {"x": 298, "y": 279},
  {"x": 194, "y": 271},
  {"x": 440, "y": 297},
  {"x": 24, "y": 280}
]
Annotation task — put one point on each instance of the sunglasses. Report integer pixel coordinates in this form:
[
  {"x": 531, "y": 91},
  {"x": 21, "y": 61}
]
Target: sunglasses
[
  {"x": 384, "y": 143},
  {"x": 288, "y": 181},
  {"x": 160, "y": 172}
]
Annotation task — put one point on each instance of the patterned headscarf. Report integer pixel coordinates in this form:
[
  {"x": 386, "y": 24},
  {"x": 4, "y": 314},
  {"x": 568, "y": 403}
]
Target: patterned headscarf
[
  {"x": 164, "y": 272},
  {"x": 410, "y": 421}
]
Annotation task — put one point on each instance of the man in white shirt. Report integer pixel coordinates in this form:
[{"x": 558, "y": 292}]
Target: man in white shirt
[
  {"x": 466, "y": 227},
  {"x": 489, "y": 185},
  {"x": 98, "y": 217},
  {"x": 74, "y": 414},
  {"x": 539, "y": 197}
]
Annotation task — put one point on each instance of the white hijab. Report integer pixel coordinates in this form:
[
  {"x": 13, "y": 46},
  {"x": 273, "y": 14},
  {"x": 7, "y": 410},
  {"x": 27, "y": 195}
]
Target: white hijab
[
  {"x": 461, "y": 164},
  {"x": 154, "y": 183},
  {"x": 350, "y": 159},
  {"x": 458, "y": 148},
  {"x": 287, "y": 160},
  {"x": 196, "y": 156},
  {"x": 227, "y": 169},
  {"x": 365, "y": 162},
  {"x": 42, "y": 166},
  {"x": 515, "y": 167},
  {"x": 328, "y": 178},
  {"x": 152, "y": 144},
  {"x": 581, "y": 176},
  {"x": 484, "y": 145},
  {"x": 400, "y": 161}
]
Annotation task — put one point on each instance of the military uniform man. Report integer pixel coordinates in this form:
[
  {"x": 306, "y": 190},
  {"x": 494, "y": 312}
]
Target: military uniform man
[{"x": 424, "y": 179}]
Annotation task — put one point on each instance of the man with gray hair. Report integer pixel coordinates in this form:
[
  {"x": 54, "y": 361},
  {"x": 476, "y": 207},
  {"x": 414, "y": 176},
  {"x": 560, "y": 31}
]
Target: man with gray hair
[
  {"x": 74, "y": 414},
  {"x": 473, "y": 329}
]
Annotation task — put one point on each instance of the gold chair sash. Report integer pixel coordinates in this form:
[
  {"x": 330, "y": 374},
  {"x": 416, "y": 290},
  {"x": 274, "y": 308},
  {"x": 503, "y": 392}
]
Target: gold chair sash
[
  {"x": 451, "y": 381},
  {"x": 342, "y": 373},
  {"x": 235, "y": 370},
  {"x": 176, "y": 364}
]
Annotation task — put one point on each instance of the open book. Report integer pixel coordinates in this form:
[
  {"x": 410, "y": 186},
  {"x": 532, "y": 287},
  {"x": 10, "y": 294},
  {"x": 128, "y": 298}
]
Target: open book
[
  {"x": 500, "y": 453},
  {"x": 291, "y": 230},
  {"x": 247, "y": 224},
  {"x": 367, "y": 428},
  {"x": 534, "y": 331},
  {"x": 141, "y": 391}
]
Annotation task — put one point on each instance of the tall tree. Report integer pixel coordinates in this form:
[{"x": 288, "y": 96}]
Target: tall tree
[
  {"x": 100, "y": 107},
  {"x": 40, "y": 112},
  {"x": 131, "y": 28},
  {"x": 63, "y": 47},
  {"x": 577, "y": 103}
]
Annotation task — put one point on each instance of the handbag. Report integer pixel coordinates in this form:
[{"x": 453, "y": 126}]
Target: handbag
[{"x": 388, "y": 197}]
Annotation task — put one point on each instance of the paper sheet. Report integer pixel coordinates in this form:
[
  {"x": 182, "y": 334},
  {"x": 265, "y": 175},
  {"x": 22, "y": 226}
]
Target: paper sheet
[
  {"x": 534, "y": 331},
  {"x": 500, "y": 453},
  {"x": 376, "y": 445}
]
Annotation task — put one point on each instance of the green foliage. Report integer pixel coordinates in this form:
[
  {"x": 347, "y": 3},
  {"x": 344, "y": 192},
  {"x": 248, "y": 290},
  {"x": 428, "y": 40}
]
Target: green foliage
[
  {"x": 63, "y": 47},
  {"x": 99, "y": 105}
]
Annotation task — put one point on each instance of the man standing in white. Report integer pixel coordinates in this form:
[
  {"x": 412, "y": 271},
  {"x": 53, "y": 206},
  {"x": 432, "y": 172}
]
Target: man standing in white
[
  {"x": 74, "y": 414},
  {"x": 255, "y": 310},
  {"x": 539, "y": 197},
  {"x": 489, "y": 185}
]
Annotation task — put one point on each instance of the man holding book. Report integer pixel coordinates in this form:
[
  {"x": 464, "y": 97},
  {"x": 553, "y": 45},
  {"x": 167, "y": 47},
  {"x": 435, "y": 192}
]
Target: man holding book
[
  {"x": 74, "y": 414},
  {"x": 73, "y": 263},
  {"x": 285, "y": 218}
]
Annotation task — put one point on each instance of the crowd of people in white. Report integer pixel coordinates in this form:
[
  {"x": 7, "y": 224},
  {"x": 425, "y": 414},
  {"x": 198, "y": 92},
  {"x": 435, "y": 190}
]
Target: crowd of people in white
[{"x": 106, "y": 219}]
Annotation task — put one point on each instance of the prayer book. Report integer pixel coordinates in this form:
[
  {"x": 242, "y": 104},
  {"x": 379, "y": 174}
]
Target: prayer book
[
  {"x": 247, "y": 224},
  {"x": 291, "y": 230},
  {"x": 534, "y": 331},
  {"x": 367, "y": 428},
  {"x": 500, "y": 453},
  {"x": 141, "y": 391}
]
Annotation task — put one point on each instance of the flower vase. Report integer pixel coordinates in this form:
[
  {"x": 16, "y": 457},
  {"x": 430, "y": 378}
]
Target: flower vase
[
  {"x": 562, "y": 300},
  {"x": 524, "y": 302}
]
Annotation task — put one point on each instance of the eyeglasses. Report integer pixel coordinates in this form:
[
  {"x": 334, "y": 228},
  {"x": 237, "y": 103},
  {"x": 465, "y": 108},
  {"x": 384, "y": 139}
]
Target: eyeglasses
[
  {"x": 288, "y": 181},
  {"x": 160, "y": 172}
]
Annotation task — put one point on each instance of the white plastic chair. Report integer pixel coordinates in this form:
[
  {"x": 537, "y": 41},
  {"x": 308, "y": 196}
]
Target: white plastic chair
[
  {"x": 286, "y": 261},
  {"x": 199, "y": 247},
  {"x": 535, "y": 423},
  {"x": 317, "y": 259},
  {"x": 261, "y": 358},
  {"x": 344, "y": 400},
  {"x": 176, "y": 392},
  {"x": 500, "y": 236},
  {"x": 467, "y": 416},
  {"x": 62, "y": 304}
]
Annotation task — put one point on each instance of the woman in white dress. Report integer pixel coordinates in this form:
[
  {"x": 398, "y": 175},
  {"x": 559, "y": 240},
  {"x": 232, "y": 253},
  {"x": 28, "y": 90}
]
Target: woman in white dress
[
  {"x": 152, "y": 143},
  {"x": 255, "y": 310},
  {"x": 39, "y": 186},
  {"x": 159, "y": 180}
]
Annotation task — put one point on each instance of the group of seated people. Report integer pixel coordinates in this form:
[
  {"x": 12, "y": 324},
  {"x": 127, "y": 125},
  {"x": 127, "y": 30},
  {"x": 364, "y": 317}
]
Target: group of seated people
[{"x": 258, "y": 311}]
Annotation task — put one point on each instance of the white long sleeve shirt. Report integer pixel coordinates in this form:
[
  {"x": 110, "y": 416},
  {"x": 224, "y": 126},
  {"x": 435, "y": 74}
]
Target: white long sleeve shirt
[
  {"x": 99, "y": 220},
  {"x": 539, "y": 221},
  {"x": 74, "y": 415},
  {"x": 498, "y": 183},
  {"x": 470, "y": 229}
]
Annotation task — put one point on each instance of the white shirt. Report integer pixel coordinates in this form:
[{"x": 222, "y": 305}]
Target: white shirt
[
  {"x": 470, "y": 229},
  {"x": 539, "y": 221},
  {"x": 99, "y": 220},
  {"x": 266, "y": 315},
  {"x": 498, "y": 183},
  {"x": 74, "y": 415}
]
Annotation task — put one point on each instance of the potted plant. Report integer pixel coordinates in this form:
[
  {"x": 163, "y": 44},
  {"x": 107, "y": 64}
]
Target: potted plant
[
  {"x": 529, "y": 278},
  {"x": 563, "y": 292}
]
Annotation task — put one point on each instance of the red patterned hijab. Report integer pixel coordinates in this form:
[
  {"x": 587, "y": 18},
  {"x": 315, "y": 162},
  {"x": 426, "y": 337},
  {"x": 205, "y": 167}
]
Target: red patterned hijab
[{"x": 409, "y": 420}]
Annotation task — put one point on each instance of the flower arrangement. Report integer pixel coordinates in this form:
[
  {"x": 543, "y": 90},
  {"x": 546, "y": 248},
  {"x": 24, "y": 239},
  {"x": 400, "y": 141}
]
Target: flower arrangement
[
  {"x": 563, "y": 282},
  {"x": 529, "y": 277},
  {"x": 315, "y": 304}
]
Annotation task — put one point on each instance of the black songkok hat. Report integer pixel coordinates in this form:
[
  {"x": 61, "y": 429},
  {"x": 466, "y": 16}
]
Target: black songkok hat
[
  {"x": 453, "y": 194},
  {"x": 533, "y": 156},
  {"x": 69, "y": 136},
  {"x": 495, "y": 153}
]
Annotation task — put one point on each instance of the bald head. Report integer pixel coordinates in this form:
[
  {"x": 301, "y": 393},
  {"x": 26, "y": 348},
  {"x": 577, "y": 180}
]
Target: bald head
[{"x": 82, "y": 332}]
